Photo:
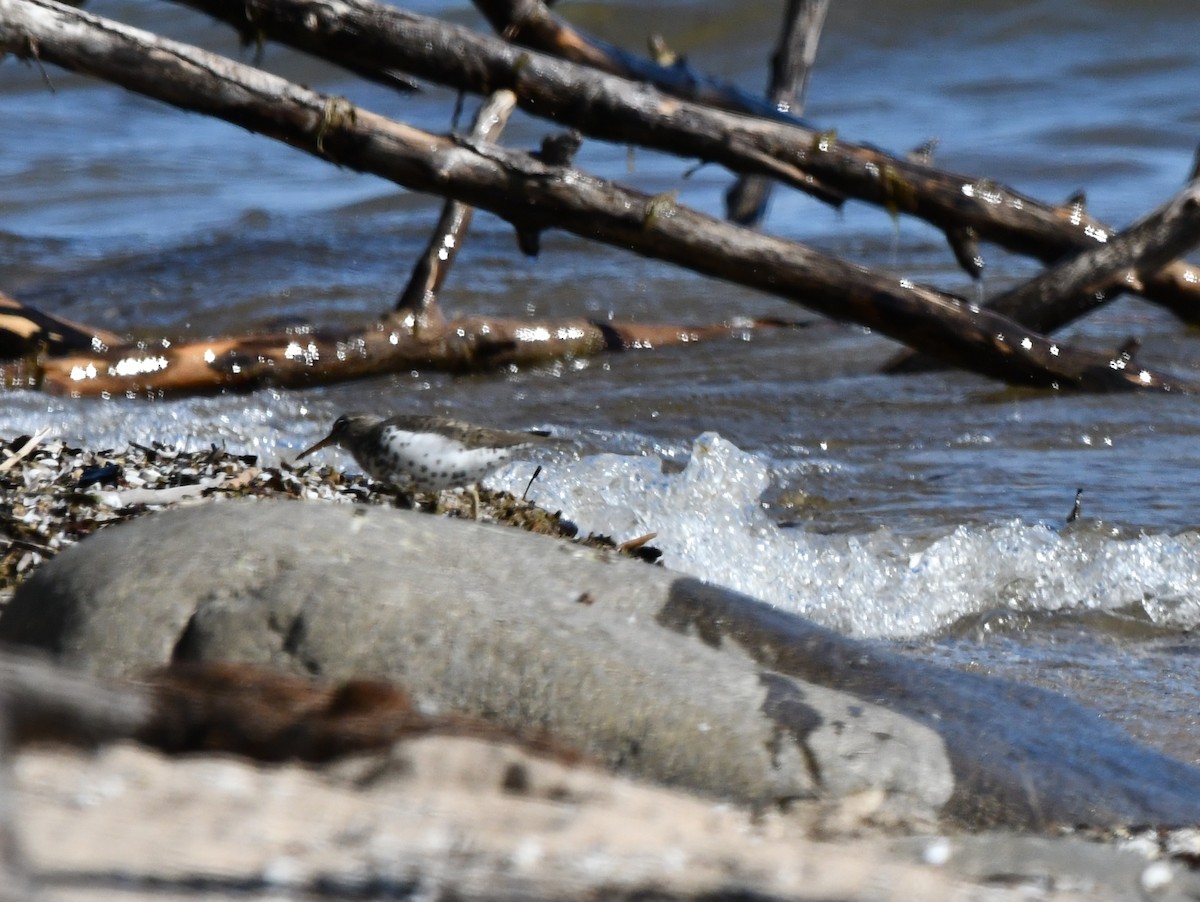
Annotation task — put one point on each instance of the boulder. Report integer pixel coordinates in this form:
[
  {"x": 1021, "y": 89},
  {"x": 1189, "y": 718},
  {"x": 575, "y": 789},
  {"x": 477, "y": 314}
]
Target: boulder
[{"x": 649, "y": 672}]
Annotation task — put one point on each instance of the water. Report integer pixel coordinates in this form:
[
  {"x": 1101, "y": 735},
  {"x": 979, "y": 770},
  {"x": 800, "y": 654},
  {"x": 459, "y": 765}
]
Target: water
[{"x": 927, "y": 511}]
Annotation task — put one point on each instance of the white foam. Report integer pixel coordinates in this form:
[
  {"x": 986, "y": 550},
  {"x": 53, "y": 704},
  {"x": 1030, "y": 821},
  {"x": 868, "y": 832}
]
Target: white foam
[
  {"x": 267, "y": 423},
  {"x": 710, "y": 524}
]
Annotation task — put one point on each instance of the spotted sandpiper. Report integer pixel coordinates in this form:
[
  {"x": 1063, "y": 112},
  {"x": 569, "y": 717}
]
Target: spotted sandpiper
[{"x": 424, "y": 453}]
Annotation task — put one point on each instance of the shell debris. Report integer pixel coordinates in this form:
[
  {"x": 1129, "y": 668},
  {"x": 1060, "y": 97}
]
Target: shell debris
[{"x": 52, "y": 495}]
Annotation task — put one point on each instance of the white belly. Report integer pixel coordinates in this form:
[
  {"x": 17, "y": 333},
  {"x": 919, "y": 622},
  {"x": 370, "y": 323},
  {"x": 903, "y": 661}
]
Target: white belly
[{"x": 428, "y": 462}]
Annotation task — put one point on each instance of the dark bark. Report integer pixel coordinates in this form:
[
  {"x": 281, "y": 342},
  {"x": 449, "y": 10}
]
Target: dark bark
[
  {"x": 1101, "y": 273},
  {"x": 532, "y": 194},
  {"x": 531, "y": 24},
  {"x": 362, "y": 33},
  {"x": 1094, "y": 277},
  {"x": 27, "y": 331},
  {"x": 791, "y": 66}
]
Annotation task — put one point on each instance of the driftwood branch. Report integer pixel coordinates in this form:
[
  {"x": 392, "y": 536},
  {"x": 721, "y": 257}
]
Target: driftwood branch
[
  {"x": 292, "y": 360},
  {"x": 1101, "y": 273},
  {"x": 25, "y": 331},
  {"x": 555, "y": 197},
  {"x": 1094, "y": 277},
  {"x": 419, "y": 298},
  {"x": 415, "y": 335},
  {"x": 791, "y": 66},
  {"x": 90, "y": 363},
  {"x": 363, "y": 33},
  {"x": 531, "y": 24}
]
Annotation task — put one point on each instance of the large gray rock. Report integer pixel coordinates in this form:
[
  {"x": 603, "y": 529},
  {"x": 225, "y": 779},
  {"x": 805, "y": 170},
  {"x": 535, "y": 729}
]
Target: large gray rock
[
  {"x": 525, "y": 630},
  {"x": 659, "y": 675}
]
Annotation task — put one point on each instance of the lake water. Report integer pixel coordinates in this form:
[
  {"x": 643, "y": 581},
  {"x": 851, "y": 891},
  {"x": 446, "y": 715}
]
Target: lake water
[{"x": 927, "y": 511}]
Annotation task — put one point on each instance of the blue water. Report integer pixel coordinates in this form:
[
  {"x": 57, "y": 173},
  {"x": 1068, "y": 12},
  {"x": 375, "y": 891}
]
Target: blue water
[{"x": 126, "y": 213}]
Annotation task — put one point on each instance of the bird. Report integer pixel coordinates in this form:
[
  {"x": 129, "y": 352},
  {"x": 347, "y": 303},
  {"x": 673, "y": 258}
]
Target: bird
[{"x": 425, "y": 453}]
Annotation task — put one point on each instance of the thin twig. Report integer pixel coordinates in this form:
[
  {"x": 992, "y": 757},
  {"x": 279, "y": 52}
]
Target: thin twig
[{"x": 13, "y": 459}]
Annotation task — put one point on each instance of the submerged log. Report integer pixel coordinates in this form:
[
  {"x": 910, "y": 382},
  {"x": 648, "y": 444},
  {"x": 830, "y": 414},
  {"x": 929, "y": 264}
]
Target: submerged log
[
  {"x": 394, "y": 345},
  {"x": 534, "y": 195}
]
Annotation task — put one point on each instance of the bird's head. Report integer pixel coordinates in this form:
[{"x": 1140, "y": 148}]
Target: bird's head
[{"x": 346, "y": 428}]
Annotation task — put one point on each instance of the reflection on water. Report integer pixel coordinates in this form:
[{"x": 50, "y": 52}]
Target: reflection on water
[{"x": 128, "y": 214}]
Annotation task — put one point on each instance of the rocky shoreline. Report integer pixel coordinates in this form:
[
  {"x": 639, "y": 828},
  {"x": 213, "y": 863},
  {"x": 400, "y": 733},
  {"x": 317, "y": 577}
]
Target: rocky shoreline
[
  {"x": 53, "y": 495},
  {"x": 563, "y": 721}
]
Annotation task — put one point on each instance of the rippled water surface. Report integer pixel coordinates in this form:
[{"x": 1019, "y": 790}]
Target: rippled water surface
[{"x": 926, "y": 509}]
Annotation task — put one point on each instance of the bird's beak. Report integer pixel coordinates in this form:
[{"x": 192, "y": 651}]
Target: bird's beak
[{"x": 323, "y": 443}]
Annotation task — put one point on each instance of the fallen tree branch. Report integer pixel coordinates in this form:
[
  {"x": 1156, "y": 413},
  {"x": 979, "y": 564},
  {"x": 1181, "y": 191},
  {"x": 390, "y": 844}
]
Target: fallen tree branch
[
  {"x": 549, "y": 196},
  {"x": 1097, "y": 275},
  {"x": 416, "y": 335},
  {"x": 364, "y": 33},
  {"x": 531, "y": 24},
  {"x": 418, "y": 300},
  {"x": 746, "y": 200},
  {"x": 1092, "y": 278},
  {"x": 25, "y": 330},
  {"x": 291, "y": 360}
]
